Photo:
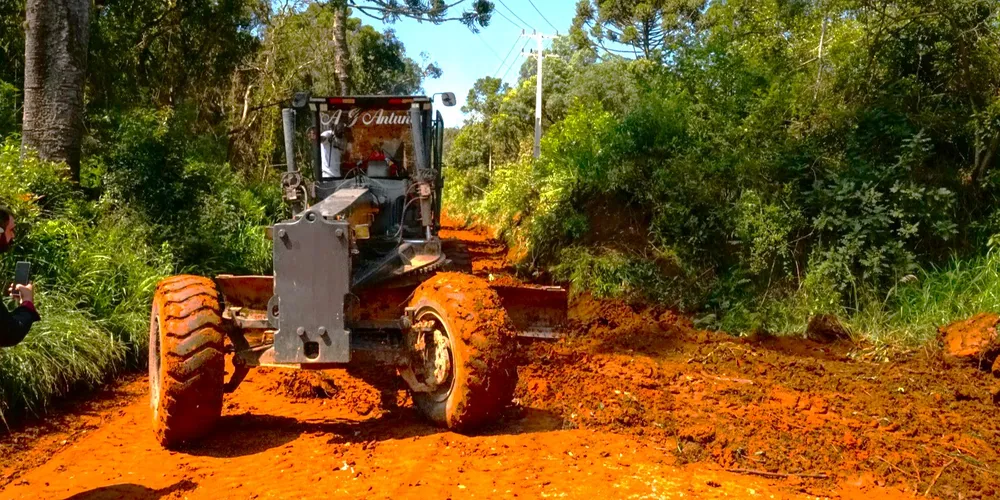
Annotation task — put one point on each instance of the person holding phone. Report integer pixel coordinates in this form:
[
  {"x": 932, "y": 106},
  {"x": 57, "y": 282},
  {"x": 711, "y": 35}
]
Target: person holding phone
[{"x": 14, "y": 325}]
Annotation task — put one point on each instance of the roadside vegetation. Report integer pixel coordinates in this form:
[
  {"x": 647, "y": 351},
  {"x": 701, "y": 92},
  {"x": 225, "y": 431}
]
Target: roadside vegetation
[
  {"x": 97, "y": 252},
  {"x": 178, "y": 172},
  {"x": 756, "y": 163}
]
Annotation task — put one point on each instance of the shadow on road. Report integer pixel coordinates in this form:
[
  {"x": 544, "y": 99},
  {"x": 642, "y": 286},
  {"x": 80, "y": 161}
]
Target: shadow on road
[
  {"x": 130, "y": 491},
  {"x": 249, "y": 434}
]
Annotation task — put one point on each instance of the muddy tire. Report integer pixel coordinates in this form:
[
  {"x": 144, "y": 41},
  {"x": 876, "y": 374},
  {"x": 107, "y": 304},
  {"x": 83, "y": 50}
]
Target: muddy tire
[
  {"x": 482, "y": 372},
  {"x": 186, "y": 359}
]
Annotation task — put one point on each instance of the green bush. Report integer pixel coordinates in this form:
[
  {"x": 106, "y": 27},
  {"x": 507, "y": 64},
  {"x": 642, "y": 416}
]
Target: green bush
[
  {"x": 917, "y": 305},
  {"x": 68, "y": 350},
  {"x": 211, "y": 216},
  {"x": 616, "y": 274},
  {"x": 152, "y": 202},
  {"x": 907, "y": 315},
  {"x": 789, "y": 186},
  {"x": 95, "y": 273},
  {"x": 9, "y": 98}
]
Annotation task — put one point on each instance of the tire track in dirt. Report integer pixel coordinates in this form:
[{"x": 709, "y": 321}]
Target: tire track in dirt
[{"x": 271, "y": 445}]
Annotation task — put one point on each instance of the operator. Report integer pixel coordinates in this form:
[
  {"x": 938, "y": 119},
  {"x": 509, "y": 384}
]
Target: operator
[
  {"x": 331, "y": 148},
  {"x": 14, "y": 325}
]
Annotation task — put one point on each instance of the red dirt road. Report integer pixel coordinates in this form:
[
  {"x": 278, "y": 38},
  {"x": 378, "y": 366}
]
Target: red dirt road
[{"x": 634, "y": 404}]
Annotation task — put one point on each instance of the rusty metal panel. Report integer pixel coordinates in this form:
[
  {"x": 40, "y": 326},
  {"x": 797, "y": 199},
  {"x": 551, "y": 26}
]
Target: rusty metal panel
[
  {"x": 536, "y": 311},
  {"x": 246, "y": 291},
  {"x": 378, "y": 305},
  {"x": 312, "y": 269}
]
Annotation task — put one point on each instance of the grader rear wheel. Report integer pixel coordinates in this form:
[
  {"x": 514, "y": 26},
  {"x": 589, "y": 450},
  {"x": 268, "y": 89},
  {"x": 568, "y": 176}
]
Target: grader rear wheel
[
  {"x": 186, "y": 359},
  {"x": 465, "y": 373}
]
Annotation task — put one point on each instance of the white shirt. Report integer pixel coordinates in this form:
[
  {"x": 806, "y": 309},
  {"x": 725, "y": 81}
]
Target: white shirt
[{"x": 329, "y": 155}]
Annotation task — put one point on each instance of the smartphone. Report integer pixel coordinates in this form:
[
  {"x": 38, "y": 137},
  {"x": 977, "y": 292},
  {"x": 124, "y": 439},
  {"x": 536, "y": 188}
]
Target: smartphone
[
  {"x": 22, "y": 276},
  {"x": 22, "y": 273}
]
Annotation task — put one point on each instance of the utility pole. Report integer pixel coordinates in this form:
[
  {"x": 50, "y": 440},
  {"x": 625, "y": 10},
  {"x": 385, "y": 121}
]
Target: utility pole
[{"x": 538, "y": 87}]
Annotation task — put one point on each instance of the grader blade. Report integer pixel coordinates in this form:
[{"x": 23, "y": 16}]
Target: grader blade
[
  {"x": 537, "y": 311},
  {"x": 246, "y": 291}
]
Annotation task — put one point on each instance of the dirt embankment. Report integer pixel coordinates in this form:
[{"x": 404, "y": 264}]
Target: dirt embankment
[
  {"x": 634, "y": 403},
  {"x": 778, "y": 405}
]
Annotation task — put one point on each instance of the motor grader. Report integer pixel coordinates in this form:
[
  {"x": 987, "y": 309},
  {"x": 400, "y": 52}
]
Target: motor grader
[{"x": 361, "y": 277}]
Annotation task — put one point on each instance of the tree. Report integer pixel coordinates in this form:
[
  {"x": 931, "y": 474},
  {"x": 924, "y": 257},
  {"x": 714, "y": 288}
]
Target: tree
[
  {"x": 54, "y": 71},
  {"x": 380, "y": 66},
  {"x": 12, "y": 41},
  {"x": 485, "y": 97},
  {"x": 341, "y": 58},
  {"x": 648, "y": 27},
  {"x": 391, "y": 11},
  {"x": 295, "y": 55},
  {"x": 145, "y": 53}
]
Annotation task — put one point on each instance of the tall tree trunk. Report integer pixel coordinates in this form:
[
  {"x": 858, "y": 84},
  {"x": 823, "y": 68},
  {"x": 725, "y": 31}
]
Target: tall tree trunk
[
  {"x": 55, "y": 63},
  {"x": 341, "y": 58}
]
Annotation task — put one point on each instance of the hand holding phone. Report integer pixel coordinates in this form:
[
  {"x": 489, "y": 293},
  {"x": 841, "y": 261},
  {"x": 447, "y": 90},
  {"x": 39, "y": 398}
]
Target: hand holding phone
[{"x": 22, "y": 289}]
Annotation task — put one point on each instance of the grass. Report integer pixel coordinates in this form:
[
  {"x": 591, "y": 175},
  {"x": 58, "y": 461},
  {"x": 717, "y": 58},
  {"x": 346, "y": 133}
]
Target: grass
[
  {"x": 912, "y": 311},
  {"x": 68, "y": 350},
  {"x": 905, "y": 317},
  {"x": 94, "y": 281},
  {"x": 633, "y": 278},
  {"x": 110, "y": 274}
]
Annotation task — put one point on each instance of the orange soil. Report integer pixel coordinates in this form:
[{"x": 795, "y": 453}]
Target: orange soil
[
  {"x": 634, "y": 403},
  {"x": 974, "y": 339},
  {"x": 779, "y": 404},
  {"x": 488, "y": 255}
]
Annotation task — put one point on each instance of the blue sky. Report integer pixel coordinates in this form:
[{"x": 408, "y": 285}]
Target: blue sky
[{"x": 464, "y": 57}]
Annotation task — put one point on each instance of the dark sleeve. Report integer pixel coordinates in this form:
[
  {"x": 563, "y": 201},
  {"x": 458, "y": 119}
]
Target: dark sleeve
[{"x": 14, "y": 325}]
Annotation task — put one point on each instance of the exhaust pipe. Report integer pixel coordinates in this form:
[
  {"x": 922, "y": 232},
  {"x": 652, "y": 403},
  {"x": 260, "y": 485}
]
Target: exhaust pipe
[
  {"x": 417, "y": 130},
  {"x": 420, "y": 150},
  {"x": 291, "y": 181},
  {"x": 288, "y": 124}
]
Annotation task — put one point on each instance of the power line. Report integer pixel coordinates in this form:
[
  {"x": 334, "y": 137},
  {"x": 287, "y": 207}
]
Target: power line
[
  {"x": 512, "y": 63},
  {"x": 509, "y": 52},
  {"x": 518, "y": 26},
  {"x": 488, "y": 46},
  {"x": 517, "y": 16},
  {"x": 543, "y": 15}
]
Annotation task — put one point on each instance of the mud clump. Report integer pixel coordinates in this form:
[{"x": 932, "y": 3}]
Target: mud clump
[
  {"x": 352, "y": 393},
  {"x": 826, "y": 328},
  {"x": 305, "y": 385},
  {"x": 670, "y": 320},
  {"x": 503, "y": 279},
  {"x": 973, "y": 340},
  {"x": 701, "y": 434},
  {"x": 594, "y": 379}
]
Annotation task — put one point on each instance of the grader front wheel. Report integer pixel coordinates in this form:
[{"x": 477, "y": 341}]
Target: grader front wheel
[
  {"x": 186, "y": 359},
  {"x": 464, "y": 372}
]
